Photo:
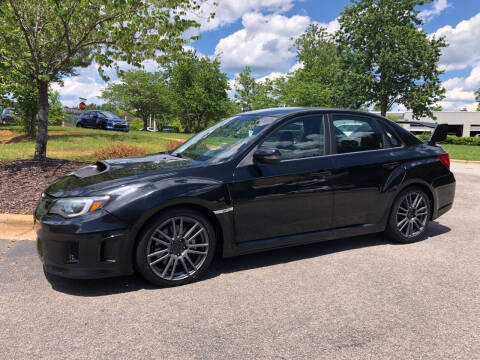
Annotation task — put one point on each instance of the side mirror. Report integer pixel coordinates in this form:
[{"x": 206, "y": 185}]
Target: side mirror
[
  {"x": 439, "y": 134},
  {"x": 267, "y": 156}
]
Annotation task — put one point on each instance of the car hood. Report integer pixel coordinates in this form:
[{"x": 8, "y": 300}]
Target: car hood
[{"x": 107, "y": 175}]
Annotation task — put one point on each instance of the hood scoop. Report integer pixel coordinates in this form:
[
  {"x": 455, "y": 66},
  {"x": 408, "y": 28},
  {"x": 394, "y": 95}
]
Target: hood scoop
[{"x": 103, "y": 166}]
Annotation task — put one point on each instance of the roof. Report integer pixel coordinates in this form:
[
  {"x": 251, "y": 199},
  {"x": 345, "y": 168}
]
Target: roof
[
  {"x": 292, "y": 110},
  {"x": 277, "y": 111}
]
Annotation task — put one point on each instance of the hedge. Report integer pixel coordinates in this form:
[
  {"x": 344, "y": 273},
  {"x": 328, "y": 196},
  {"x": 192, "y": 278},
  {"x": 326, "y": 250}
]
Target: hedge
[{"x": 454, "y": 140}]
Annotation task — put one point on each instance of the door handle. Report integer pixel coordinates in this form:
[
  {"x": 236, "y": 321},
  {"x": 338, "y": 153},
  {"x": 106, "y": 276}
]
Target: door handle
[{"x": 391, "y": 165}]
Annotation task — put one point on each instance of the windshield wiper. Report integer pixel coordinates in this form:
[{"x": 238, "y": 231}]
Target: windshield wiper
[{"x": 181, "y": 156}]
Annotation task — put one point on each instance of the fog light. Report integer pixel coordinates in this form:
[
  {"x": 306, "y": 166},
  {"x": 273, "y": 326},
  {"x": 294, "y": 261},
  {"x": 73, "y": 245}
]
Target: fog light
[{"x": 72, "y": 256}]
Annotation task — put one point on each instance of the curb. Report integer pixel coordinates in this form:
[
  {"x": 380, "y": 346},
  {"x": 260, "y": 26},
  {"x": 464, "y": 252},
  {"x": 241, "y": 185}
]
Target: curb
[
  {"x": 16, "y": 219},
  {"x": 16, "y": 227},
  {"x": 465, "y": 161}
]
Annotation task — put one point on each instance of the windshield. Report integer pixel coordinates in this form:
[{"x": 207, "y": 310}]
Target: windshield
[
  {"x": 109, "y": 115},
  {"x": 224, "y": 139}
]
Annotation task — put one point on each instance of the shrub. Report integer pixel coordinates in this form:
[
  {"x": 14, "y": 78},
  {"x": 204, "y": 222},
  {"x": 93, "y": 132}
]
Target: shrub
[
  {"x": 118, "y": 151},
  {"x": 136, "y": 124},
  {"x": 454, "y": 140},
  {"x": 462, "y": 140},
  {"x": 424, "y": 136}
]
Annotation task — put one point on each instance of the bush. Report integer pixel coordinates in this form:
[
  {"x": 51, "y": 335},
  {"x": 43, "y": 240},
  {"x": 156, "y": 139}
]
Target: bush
[
  {"x": 118, "y": 151},
  {"x": 424, "y": 136},
  {"x": 462, "y": 140},
  {"x": 454, "y": 140},
  {"x": 136, "y": 124}
]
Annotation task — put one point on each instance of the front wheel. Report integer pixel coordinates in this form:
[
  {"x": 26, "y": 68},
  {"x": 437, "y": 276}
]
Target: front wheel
[
  {"x": 176, "y": 248},
  {"x": 410, "y": 216}
]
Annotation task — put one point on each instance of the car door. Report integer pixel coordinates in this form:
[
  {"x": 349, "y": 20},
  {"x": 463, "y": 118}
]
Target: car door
[
  {"x": 92, "y": 119},
  {"x": 83, "y": 118},
  {"x": 290, "y": 197},
  {"x": 86, "y": 116},
  {"x": 366, "y": 159}
]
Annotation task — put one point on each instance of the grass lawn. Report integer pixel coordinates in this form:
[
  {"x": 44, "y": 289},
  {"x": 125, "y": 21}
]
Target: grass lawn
[
  {"x": 463, "y": 152},
  {"x": 80, "y": 144}
]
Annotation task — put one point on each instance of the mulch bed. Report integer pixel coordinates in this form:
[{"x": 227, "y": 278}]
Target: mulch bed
[{"x": 22, "y": 182}]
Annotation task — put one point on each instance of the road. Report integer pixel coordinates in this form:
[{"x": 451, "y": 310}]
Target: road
[{"x": 356, "y": 298}]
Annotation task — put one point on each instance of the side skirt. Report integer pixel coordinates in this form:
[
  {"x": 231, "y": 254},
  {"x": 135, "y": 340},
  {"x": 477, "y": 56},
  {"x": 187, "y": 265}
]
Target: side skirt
[{"x": 299, "y": 239}]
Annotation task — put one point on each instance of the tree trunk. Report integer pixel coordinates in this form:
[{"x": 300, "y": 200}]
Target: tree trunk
[
  {"x": 384, "y": 107},
  {"x": 145, "y": 123},
  {"x": 42, "y": 133}
]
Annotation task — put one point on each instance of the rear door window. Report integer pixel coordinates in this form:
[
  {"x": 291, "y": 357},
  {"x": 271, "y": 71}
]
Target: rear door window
[{"x": 356, "y": 133}]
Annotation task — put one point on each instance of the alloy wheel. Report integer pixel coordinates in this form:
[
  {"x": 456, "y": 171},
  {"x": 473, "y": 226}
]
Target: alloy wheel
[
  {"x": 412, "y": 214},
  {"x": 177, "y": 248}
]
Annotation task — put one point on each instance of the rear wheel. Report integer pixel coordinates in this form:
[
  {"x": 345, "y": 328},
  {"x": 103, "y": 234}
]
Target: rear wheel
[
  {"x": 410, "y": 216},
  {"x": 176, "y": 248}
]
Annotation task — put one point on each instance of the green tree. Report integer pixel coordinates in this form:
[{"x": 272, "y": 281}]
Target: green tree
[
  {"x": 245, "y": 86},
  {"x": 142, "y": 94},
  {"x": 56, "y": 114},
  {"x": 320, "y": 81},
  {"x": 200, "y": 91},
  {"x": 315, "y": 82},
  {"x": 387, "y": 57},
  {"x": 477, "y": 97},
  {"x": 266, "y": 95},
  {"x": 16, "y": 86},
  {"x": 45, "y": 40}
]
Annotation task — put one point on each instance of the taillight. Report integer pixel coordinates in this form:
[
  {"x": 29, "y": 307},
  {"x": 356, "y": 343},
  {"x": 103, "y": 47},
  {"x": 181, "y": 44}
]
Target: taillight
[{"x": 445, "y": 158}]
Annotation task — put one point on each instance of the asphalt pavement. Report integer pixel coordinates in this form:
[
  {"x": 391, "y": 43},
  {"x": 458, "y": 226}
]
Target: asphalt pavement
[{"x": 356, "y": 298}]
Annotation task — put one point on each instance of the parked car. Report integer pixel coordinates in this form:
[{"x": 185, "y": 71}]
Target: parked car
[
  {"x": 170, "y": 129},
  {"x": 101, "y": 119},
  {"x": 256, "y": 181},
  {"x": 9, "y": 116}
]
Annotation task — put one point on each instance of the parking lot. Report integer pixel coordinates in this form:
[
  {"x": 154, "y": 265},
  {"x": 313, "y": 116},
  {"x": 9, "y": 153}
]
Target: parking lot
[{"x": 356, "y": 298}]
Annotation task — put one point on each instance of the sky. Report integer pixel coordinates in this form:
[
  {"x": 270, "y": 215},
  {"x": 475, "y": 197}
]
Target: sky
[{"x": 258, "y": 33}]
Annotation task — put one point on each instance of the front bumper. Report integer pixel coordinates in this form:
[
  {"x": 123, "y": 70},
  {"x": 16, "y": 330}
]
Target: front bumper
[
  {"x": 118, "y": 127},
  {"x": 91, "y": 246}
]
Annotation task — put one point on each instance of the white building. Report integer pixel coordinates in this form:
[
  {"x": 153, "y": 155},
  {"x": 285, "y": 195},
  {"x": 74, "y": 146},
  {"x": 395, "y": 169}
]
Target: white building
[{"x": 460, "y": 123}]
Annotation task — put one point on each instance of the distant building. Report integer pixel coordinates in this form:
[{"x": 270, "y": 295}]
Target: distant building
[{"x": 460, "y": 123}]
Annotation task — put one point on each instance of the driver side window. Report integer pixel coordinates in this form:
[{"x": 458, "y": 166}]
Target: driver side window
[{"x": 299, "y": 139}]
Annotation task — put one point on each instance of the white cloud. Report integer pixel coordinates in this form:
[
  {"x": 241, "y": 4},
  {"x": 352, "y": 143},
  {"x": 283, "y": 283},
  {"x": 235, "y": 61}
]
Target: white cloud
[
  {"x": 438, "y": 7},
  {"x": 264, "y": 43},
  {"x": 460, "y": 91},
  {"x": 229, "y": 11},
  {"x": 88, "y": 84},
  {"x": 331, "y": 26},
  {"x": 275, "y": 74},
  {"x": 464, "y": 46},
  {"x": 75, "y": 87}
]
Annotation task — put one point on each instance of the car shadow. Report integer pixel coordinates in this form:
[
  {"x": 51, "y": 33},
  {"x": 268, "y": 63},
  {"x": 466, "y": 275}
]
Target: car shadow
[{"x": 124, "y": 284}]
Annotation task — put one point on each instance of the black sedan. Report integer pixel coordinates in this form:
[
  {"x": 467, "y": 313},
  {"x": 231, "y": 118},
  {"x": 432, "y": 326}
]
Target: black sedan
[{"x": 256, "y": 181}]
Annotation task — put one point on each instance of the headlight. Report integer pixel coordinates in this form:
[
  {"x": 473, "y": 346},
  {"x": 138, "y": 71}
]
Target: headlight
[{"x": 72, "y": 207}]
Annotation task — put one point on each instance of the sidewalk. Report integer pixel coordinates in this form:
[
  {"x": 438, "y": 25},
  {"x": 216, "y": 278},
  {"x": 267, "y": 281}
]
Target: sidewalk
[{"x": 16, "y": 227}]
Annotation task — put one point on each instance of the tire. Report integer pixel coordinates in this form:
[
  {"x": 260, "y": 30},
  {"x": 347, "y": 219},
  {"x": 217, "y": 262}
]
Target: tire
[
  {"x": 167, "y": 258},
  {"x": 410, "y": 216},
  {"x": 79, "y": 125}
]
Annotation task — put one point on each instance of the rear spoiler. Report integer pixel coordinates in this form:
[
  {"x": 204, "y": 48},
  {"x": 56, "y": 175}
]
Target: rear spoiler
[{"x": 439, "y": 133}]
